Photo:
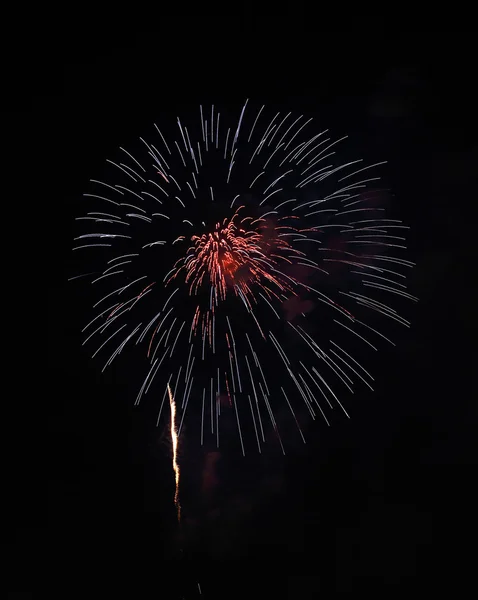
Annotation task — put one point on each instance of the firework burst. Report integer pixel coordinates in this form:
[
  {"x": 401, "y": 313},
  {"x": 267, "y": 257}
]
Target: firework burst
[{"x": 225, "y": 249}]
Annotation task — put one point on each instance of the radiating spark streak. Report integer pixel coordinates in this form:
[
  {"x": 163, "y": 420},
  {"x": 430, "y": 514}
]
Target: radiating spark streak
[
  {"x": 169, "y": 330},
  {"x": 175, "y": 341},
  {"x": 188, "y": 376},
  {"x": 202, "y": 121},
  {"x": 381, "y": 235},
  {"x": 156, "y": 370},
  {"x": 285, "y": 202},
  {"x": 273, "y": 309},
  {"x": 97, "y": 220},
  {"x": 105, "y": 342},
  {"x": 285, "y": 134},
  {"x": 279, "y": 350},
  {"x": 177, "y": 381},
  {"x": 102, "y": 198},
  {"x": 382, "y": 278},
  {"x": 387, "y": 288},
  {"x": 269, "y": 195},
  {"x": 352, "y": 359},
  {"x": 158, "y": 328},
  {"x": 279, "y": 126},
  {"x": 98, "y": 316},
  {"x": 255, "y": 179},
  {"x": 239, "y": 126},
  {"x": 255, "y": 426},
  {"x": 162, "y": 401},
  {"x": 238, "y": 423},
  {"x": 120, "y": 348},
  {"x": 263, "y": 139},
  {"x": 133, "y": 171},
  {"x": 302, "y": 393},
  {"x": 272, "y": 155},
  {"x": 159, "y": 187},
  {"x": 355, "y": 333},
  {"x": 311, "y": 141},
  {"x": 254, "y": 124},
  {"x": 316, "y": 158},
  {"x": 185, "y": 406},
  {"x": 336, "y": 368},
  {"x": 262, "y": 373},
  {"x": 232, "y": 374},
  {"x": 158, "y": 344},
  {"x": 385, "y": 313},
  {"x": 180, "y": 153},
  {"x": 142, "y": 217},
  {"x": 192, "y": 191},
  {"x": 124, "y": 170},
  {"x": 174, "y": 442},
  {"x": 376, "y": 243},
  {"x": 164, "y": 141},
  {"x": 293, "y": 414},
  {"x": 122, "y": 187},
  {"x": 139, "y": 298},
  {"x": 79, "y": 276},
  {"x": 352, "y": 369},
  {"x": 153, "y": 197},
  {"x": 255, "y": 397},
  {"x": 182, "y": 135},
  {"x": 330, "y": 390},
  {"x": 122, "y": 256},
  {"x": 102, "y": 214},
  {"x": 146, "y": 329},
  {"x": 309, "y": 394},
  {"x": 273, "y": 421},
  {"x": 212, "y": 409},
  {"x": 384, "y": 162},
  {"x": 235, "y": 198},
  {"x": 227, "y": 138},
  {"x": 177, "y": 184},
  {"x": 296, "y": 133},
  {"x": 398, "y": 261},
  {"x": 312, "y": 398},
  {"x": 106, "y": 185},
  {"x": 212, "y": 123},
  {"x": 133, "y": 206},
  {"x": 107, "y": 275},
  {"x": 89, "y": 246},
  {"x": 373, "y": 301}
]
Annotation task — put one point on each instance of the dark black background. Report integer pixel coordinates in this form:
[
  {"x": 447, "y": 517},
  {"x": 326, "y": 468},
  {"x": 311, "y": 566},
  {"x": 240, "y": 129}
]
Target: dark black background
[{"x": 381, "y": 503}]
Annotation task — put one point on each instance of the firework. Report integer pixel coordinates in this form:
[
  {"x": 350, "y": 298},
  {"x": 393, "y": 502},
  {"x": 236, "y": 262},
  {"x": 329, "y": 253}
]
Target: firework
[
  {"x": 249, "y": 263},
  {"x": 174, "y": 442}
]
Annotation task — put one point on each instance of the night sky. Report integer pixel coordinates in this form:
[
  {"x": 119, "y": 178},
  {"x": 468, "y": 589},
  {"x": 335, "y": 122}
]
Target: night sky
[{"x": 381, "y": 503}]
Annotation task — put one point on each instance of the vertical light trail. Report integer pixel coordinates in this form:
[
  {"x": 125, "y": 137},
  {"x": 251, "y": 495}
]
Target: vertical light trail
[{"x": 174, "y": 441}]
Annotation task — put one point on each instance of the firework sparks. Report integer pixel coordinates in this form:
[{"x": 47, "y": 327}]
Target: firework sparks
[
  {"x": 262, "y": 236},
  {"x": 174, "y": 442}
]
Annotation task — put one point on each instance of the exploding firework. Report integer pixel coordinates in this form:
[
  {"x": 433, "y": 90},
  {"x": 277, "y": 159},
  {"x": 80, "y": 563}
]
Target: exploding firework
[{"x": 251, "y": 265}]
